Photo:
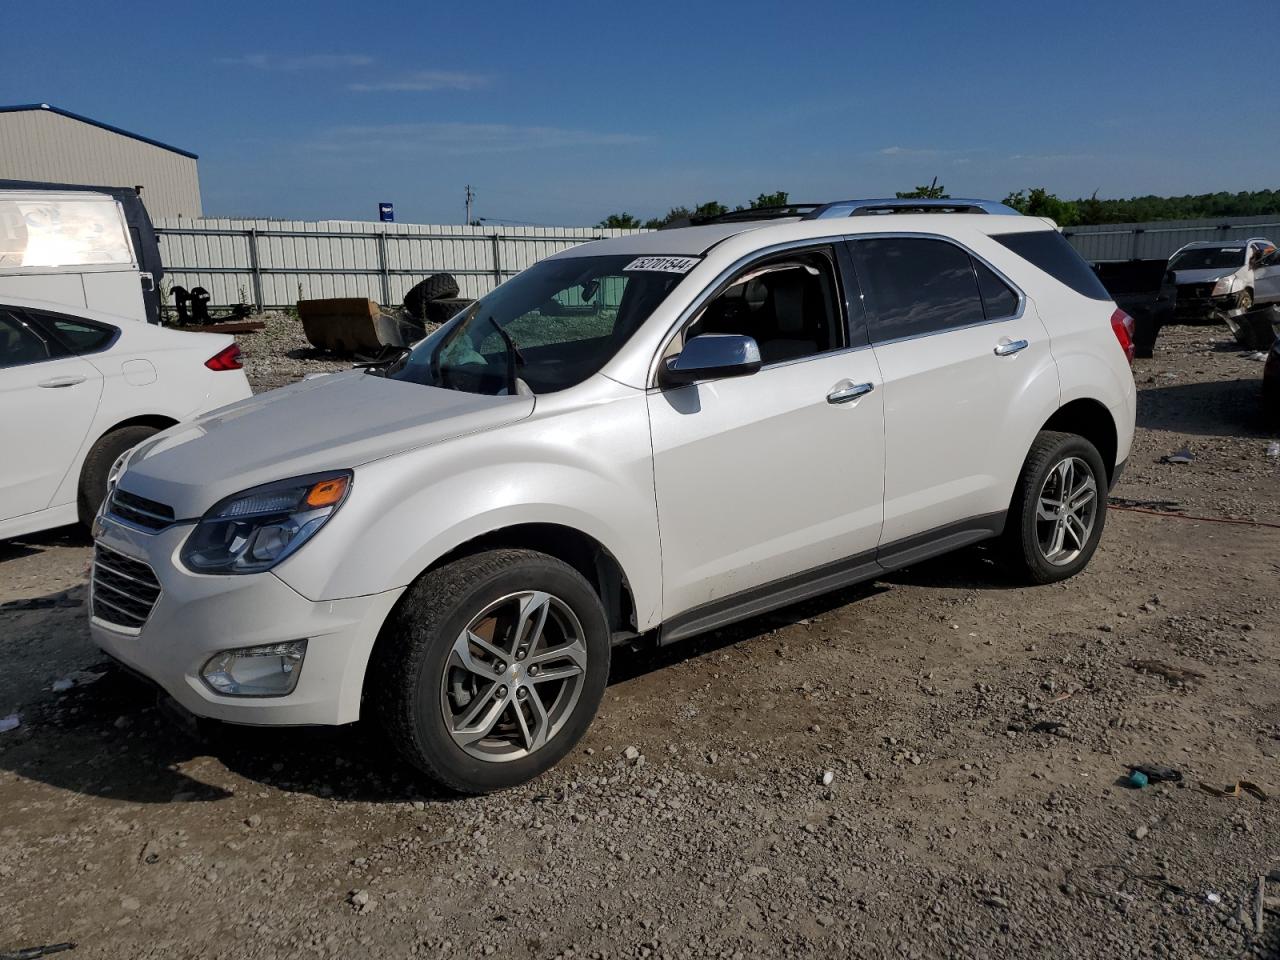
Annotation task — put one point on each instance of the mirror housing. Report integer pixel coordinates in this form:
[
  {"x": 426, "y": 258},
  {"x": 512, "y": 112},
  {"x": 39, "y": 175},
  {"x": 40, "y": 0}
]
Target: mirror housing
[{"x": 711, "y": 356}]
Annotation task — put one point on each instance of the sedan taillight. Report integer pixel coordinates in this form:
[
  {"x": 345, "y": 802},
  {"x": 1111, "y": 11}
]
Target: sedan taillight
[
  {"x": 1122, "y": 327},
  {"x": 228, "y": 359}
]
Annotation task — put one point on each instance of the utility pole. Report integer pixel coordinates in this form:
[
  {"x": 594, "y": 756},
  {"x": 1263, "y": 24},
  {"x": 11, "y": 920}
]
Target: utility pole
[{"x": 470, "y": 196}]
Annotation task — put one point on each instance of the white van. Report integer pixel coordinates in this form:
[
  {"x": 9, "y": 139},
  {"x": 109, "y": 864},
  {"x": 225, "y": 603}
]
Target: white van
[{"x": 82, "y": 248}]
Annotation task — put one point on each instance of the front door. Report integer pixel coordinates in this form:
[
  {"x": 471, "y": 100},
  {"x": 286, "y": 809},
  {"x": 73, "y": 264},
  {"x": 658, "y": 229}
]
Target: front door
[{"x": 781, "y": 472}]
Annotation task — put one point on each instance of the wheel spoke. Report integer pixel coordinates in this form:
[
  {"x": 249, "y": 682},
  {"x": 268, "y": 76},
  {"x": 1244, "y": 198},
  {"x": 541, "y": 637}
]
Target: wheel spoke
[
  {"x": 1076, "y": 528},
  {"x": 575, "y": 651},
  {"x": 464, "y": 658},
  {"x": 560, "y": 671},
  {"x": 1048, "y": 509},
  {"x": 481, "y": 716},
  {"x": 1059, "y": 535},
  {"x": 534, "y": 609},
  {"x": 1083, "y": 495},
  {"x": 541, "y": 720}
]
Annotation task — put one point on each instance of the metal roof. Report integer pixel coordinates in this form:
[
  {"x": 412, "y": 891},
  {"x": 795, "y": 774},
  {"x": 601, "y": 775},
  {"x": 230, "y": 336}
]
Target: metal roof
[{"x": 25, "y": 107}]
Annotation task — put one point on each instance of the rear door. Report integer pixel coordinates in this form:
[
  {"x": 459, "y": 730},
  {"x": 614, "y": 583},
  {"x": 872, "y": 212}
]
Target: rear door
[
  {"x": 48, "y": 401},
  {"x": 1266, "y": 275},
  {"x": 957, "y": 344}
]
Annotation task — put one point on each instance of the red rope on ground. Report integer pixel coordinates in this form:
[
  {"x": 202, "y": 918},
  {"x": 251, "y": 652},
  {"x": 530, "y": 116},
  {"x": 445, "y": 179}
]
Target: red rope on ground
[{"x": 1188, "y": 516}]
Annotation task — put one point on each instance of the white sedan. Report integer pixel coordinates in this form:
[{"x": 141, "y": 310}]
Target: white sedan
[{"x": 77, "y": 389}]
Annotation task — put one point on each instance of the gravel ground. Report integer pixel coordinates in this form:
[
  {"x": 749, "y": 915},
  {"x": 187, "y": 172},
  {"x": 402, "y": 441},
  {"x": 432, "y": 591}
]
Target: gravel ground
[{"x": 925, "y": 766}]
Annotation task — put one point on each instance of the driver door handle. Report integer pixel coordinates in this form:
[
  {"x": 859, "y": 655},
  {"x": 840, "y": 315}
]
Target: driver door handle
[
  {"x": 61, "y": 382},
  {"x": 850, "y": 393},
  {"x": 1007, "y": 348}
]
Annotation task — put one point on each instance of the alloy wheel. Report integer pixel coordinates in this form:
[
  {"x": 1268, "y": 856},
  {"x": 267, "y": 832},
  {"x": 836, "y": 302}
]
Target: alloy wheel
[
  {"x": 514, "y": 676},
  {"x": 1067, "y": 510}
]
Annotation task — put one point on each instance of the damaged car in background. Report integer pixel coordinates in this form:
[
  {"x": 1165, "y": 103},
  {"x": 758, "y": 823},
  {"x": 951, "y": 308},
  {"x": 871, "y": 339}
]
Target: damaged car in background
[{"x": 1210, "y": 280}]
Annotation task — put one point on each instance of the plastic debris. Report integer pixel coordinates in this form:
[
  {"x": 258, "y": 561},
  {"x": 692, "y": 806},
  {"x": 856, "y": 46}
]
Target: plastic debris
[
  {"x": 11, "y": 722},
  {"x": 1182, "y": 456},
  {"x": 1273, "y": 450},
  {"x": 1237, "y": 789},
  {"x": 1214, "y": 898},
  {"x": 828, "y": 777},
  {"x": 1138, "y": 779},
  {"x": 62, "y": 685},
  {"x": 1157, "y": 774},
  {"x": 31, "y": 953}
]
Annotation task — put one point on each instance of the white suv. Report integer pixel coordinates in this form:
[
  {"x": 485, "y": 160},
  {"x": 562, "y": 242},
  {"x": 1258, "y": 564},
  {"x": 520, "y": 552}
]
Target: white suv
[{"x": 642, "y": 437}]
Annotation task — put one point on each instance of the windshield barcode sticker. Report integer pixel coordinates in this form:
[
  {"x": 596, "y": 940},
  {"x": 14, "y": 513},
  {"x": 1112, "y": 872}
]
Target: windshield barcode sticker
[{"x": 663, "y": 264}]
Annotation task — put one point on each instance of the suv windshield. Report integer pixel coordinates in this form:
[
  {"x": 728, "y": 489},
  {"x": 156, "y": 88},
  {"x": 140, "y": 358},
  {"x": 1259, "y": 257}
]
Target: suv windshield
[
  {"x": 1208, "y": 258},
  {"x": 545, "y": 329}
]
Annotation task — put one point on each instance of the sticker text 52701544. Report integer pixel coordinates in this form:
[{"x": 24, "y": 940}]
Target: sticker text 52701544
[{"x": 663, "y": 264}]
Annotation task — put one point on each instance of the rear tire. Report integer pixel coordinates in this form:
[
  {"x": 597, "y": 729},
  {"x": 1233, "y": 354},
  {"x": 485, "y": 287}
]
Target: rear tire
[
  {"x": 1059, "y": 508},
  {"x": 93, "y": 474},
  {"x": 434, "y": 690}
]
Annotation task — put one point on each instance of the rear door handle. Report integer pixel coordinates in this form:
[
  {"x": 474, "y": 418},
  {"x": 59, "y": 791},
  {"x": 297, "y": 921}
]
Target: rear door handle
[
  {"x": 61, "y": 382},
  {"x": 1007, "y": 348},
  {"x": 850, "y": 393}
]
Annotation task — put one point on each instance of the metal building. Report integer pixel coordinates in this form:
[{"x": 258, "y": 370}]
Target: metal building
[{"x": 40, "y": 142}]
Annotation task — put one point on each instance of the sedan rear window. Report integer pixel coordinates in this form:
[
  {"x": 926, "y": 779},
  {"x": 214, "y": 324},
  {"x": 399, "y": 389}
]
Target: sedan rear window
[{"x": 1049, "y": 251}]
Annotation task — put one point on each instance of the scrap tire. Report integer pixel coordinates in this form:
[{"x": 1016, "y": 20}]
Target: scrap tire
[
  {"x": 97, "y": 464},
  {"x": 444, "y": 309},
  {"x": 412, "y": 658},
  {"x": 438, "y": 286},
  {"x": 1023, "y": 550}
]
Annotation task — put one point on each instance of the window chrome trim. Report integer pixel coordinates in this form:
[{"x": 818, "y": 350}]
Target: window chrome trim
[
  {"x": 717, "y": 286},
  {"x": 711, "y": 289}
]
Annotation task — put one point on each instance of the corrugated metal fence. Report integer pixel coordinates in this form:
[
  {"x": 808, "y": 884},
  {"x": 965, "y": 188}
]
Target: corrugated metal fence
[
  {"x": 275, "y": 263},
  {"x": 1158, "y": 240}
]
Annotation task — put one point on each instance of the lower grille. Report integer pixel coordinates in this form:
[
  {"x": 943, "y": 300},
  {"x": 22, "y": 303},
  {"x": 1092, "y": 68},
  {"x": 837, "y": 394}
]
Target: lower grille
[
  {"x": 1195, "y": 291},
  {"x": 124, "y": 590}
]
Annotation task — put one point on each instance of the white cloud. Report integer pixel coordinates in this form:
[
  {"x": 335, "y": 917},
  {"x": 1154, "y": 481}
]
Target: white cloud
[
  {"x": 294, "y": 62},
  {"x": 463, "y": 138},
  {"x": 423, "y": 80},
  {"x": 908, "y": 152}
]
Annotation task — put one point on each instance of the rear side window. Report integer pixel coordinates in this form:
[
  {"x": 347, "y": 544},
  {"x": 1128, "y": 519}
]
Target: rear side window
[
  {"x": 998, "y": 299},
  {"x": 1049, "y": 251},
  {"x": 78, "y": 336},
  {"x": 915, "y": 286}
]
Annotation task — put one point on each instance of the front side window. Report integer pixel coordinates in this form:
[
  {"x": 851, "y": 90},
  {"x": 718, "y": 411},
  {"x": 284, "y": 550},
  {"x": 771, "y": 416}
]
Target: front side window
[
  {"x": 20, "y": 342},
  {"x": 789, "y": 303},
  {"x": 915, "y": 286},
  {"x": 546, "y": 329}
]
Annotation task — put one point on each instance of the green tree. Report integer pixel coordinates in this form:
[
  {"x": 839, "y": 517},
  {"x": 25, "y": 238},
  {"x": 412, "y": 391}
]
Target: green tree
[
  {"x": 932, "y": 191},
  {"x": 1039, "y": 202},
  {"x": 778, "y": 198},
  {"x": 619, "y": 221}
]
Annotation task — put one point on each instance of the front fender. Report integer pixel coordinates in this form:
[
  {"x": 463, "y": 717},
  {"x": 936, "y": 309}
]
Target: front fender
[{"x": 591, "y": 471}]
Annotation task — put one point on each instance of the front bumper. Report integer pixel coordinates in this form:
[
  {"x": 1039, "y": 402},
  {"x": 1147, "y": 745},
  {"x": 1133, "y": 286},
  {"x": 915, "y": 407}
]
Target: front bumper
[
  {"x": 197, "y": 616},
  {"x": 1204, "y": 308}
]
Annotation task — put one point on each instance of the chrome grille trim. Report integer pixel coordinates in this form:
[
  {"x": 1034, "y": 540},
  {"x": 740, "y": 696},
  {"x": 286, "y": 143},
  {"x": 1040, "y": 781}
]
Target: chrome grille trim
[
  {"x": 124, "y": 591},
  {"x": 139, "y": 511}
]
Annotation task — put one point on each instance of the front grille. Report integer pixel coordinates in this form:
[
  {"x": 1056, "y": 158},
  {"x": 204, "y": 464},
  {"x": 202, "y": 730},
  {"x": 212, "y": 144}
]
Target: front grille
[
  {"x": 139, "y": 511},
  {"x": 124, "y": 590},
  {"x": 1195, "y": 291}
]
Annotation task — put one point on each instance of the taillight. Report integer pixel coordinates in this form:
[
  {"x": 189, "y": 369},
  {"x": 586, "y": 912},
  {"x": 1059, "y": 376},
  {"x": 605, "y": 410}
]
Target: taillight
[
  {"x": 228, "y": 359},
  {"x": 1122, "y": 327}
]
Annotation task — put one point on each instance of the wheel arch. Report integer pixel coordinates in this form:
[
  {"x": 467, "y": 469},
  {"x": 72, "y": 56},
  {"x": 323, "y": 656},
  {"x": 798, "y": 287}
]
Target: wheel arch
[{"x": 1090, "y": 419}]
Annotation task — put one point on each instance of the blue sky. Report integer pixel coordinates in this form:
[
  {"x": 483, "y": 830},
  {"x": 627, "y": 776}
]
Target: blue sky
[{"x": 560, "y": 113}]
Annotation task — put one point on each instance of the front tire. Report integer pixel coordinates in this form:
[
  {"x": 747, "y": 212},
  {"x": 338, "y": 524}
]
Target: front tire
[
  {"x": 1059, "y": 508},
  {"x": 491, "y": 668}
]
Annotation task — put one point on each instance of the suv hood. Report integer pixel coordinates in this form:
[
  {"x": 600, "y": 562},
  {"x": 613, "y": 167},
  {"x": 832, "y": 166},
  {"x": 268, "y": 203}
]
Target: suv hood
[
  {"x": 329, "y": 423},
  {"x": 1204, "y": 276}
]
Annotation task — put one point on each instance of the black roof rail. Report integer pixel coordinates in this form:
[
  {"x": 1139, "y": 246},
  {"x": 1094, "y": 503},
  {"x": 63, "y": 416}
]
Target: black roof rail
[
  {"x": 871, "y": 208},
  {"x": 799, "y": 211}
]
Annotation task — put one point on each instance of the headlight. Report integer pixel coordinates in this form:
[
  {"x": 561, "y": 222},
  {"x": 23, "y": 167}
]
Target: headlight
[
  {"x": 1224, "y": 286},
  {"x": 254, "y": 530}
]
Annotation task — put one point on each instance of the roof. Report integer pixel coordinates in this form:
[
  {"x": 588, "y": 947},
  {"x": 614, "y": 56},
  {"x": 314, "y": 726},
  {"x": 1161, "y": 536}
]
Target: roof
[
  {"x": 26, "y": 107},
  {"x": 1219, "y": 244},
  {"x": 696, "y": 241}
]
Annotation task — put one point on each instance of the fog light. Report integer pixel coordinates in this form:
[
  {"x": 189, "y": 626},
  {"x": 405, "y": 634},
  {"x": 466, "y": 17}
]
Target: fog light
[{"x": 268, "y": 671}]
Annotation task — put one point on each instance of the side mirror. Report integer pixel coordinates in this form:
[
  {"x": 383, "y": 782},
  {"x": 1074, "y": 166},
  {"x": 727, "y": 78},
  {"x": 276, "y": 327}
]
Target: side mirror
[{"x": 712, "y": 356}]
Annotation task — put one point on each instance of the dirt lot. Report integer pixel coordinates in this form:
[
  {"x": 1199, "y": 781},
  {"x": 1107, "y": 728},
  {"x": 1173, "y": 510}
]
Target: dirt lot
[{"x": 976, "y": 733}]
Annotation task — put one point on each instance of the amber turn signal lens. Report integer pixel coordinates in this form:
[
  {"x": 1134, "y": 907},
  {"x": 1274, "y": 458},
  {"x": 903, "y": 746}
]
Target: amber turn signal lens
[{"x": 327, "y": 492}]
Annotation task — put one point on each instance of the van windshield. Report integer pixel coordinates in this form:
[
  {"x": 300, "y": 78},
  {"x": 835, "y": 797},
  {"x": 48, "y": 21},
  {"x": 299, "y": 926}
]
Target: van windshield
[
  {"x": 1208, "y": 258},
  {"x": 548, "y": 328}
]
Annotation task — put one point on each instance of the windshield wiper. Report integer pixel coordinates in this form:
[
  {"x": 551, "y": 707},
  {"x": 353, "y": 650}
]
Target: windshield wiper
[
  {"x": 385, "y": 358},
  {"x": 515, "y": 360}
]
